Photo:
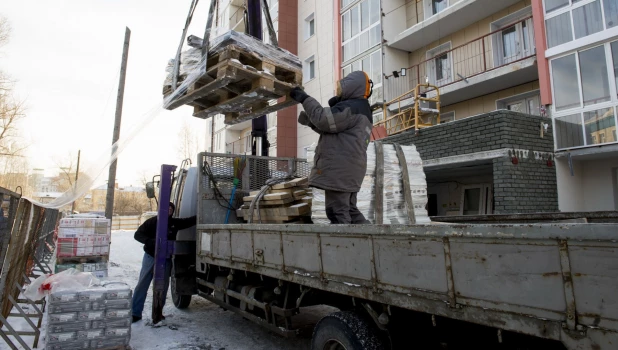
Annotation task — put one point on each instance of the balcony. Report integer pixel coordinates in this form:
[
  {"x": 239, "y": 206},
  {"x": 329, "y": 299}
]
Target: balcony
[
  {"x": 499, "y": 60},
  {"x": 458, "y": 15},
  {"x": 241, "y": 146}
]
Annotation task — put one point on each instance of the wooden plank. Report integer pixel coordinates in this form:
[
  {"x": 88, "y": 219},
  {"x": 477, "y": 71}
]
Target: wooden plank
[
  {"x": 275, "y": 202},
  {"x": 270, "y": 197},
  {"x": 292, "y": 183},
  {"x": 235, "y": 118}
]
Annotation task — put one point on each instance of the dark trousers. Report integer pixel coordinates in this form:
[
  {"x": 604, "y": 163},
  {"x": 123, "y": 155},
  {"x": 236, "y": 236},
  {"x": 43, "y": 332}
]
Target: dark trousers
[{"x": 341, "y": 208}]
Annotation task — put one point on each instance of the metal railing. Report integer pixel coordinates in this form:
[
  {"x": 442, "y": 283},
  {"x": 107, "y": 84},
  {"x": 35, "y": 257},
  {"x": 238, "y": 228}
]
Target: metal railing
[
  {"x": 507, "y": 45},
  {"x": 241, "y": 146}
]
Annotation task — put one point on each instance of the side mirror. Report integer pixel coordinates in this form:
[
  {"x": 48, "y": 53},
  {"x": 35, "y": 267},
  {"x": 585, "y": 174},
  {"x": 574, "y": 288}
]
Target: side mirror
[{"x": 150, "y": 190}]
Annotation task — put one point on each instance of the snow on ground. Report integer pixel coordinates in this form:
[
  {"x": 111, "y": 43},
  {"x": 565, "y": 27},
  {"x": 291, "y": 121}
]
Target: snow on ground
[{"x": 202, "y": 326}]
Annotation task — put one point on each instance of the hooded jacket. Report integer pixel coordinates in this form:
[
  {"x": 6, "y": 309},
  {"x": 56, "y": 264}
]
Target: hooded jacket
[
  {"x": 340, "y": 159},
  {"x": 147, "y": 232}
]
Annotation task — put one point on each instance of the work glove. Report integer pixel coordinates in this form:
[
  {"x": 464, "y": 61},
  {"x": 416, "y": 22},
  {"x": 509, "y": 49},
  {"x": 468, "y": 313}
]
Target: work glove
[
  {"x": 298, "y": 94},
  {"x": 334, "y": 100},
  {"x": 303, "y": 118}
]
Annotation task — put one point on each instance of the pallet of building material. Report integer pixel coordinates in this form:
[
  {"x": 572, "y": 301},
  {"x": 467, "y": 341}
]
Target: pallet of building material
[
  {"x": 301, "y": 209},
  {"x": 245, "y": 78}
]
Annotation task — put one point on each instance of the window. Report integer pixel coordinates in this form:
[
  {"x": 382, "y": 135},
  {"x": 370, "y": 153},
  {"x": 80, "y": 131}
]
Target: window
[
  {"x": 565, "y": 87},
  {"x": 614, "y": 49},
  {"x": 587, "y": 19},
  {"x": 516, "y": 40},
  {"x": 447, "y": 117},
  {"x": 559, "y": 30},
  {"x": 439, "y": 65},
  {"x": 594, "y": 80},
  {"x": 567, "y": 20},
  {"x": 309, "y": 69},
  {"x": 568, "y": 131},
  {"x": 528, "y": 103},
  {"x": 361, "y": 29},
  {"x": 611, "y": 13},
  {"x": 476, "y": 200},
  {"x": 433, "y": 7},
  {"x": 309, "y": 26},
  {"x": 598, "y": 125},
  {"x": 551, "y": 5}
]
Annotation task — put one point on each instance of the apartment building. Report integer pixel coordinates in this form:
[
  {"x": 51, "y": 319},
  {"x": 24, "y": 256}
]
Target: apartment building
[
  {"x": 282, "y": 130},
  {"x": 582, "y": 77}
]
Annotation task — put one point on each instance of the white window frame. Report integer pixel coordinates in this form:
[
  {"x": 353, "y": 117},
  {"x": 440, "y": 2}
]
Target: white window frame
[
  {"x": 507, "y": 21},
  {"x": 581, "y": 109},
  {"x": 523, "y": 97},
  {"x": 448, "y": 114},
  {"x": 485, "y": 206},
  {"x": 588, "y": 39},
  {"x": 307, "y": 69},
  {"x": 431, "y": 56},
  {"x": 358, "y": 35},
  {"x": 308, "y": 21},
  {"x": 428, "y": 8}
]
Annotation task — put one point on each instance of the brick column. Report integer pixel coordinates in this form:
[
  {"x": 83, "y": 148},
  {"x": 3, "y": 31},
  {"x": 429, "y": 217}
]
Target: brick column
[{"x": 287, "y": 118}]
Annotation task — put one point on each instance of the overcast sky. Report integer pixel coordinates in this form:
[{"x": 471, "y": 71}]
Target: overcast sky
[{"x": 65, "y": 56}]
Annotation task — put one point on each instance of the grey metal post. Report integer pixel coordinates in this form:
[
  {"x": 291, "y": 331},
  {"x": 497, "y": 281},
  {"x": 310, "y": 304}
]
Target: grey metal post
[{"x": 109, "y": 203}]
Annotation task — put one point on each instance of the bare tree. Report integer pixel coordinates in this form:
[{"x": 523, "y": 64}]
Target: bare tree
[
  {"x": 130, "y": 202},
  {"x": 13, "y": 165},
  {"x": 188, "y": 142}
]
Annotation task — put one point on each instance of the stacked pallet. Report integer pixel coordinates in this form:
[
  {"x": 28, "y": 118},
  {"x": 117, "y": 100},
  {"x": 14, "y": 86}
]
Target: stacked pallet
[
  {"x": 98, "y": 317},
  {"x": 243, "y": 78},
  {"x": 83, "y": 244},
  {"x": 287, "y": 202}
]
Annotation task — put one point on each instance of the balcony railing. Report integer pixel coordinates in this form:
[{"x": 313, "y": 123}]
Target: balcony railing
[
  {"x": 507, "y": 45},
  {"x": 240, "y": 146}
]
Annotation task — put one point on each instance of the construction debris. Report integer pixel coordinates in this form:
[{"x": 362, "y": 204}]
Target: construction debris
[
  {"x": 242, "y": 78},
  {"x": 286, "y": 202}
]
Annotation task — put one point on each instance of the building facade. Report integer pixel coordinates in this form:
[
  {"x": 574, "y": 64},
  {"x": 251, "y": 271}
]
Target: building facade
[{"x": 582, "y": 55}]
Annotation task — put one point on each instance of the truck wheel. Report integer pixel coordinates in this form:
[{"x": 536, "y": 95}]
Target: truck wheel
[
  {"x": 346, "y": 330},
  {"x": 180, "y": 301}
]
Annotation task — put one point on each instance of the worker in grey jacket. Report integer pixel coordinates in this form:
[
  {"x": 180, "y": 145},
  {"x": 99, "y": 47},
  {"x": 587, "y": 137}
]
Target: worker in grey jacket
[{"x": 340, "y": 159}]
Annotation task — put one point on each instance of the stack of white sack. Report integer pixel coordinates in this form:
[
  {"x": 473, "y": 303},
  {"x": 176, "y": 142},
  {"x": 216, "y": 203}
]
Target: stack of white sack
[{"x": 394, "y": 208}]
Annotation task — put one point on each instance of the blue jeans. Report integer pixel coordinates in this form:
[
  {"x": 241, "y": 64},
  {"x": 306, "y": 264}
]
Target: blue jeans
[{"x": 143, "y": 284}]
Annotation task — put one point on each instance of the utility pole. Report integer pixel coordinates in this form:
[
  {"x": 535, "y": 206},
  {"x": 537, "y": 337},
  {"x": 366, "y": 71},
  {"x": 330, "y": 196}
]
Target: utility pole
[
  {"x": 75, "y": 185},
  {"x": 111, "y": 182}
]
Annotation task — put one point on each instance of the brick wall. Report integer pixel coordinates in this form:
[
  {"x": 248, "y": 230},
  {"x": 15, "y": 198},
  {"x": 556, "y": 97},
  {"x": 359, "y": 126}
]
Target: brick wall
[
  {"x": 288, "y": 39},
  {"x": 486, "y": 132},
  {"x": 526, "y": 187}
]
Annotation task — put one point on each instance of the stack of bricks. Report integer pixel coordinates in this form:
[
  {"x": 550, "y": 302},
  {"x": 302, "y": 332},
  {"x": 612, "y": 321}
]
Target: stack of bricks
[
  {"x": 287, "y": 202},
  {"x": 95, "y": 318},
  {"x": 83, "y": 244}
]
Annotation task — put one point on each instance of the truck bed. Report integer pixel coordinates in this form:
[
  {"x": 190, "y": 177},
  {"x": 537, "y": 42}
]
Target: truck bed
[{"x": 552, "y": 280}]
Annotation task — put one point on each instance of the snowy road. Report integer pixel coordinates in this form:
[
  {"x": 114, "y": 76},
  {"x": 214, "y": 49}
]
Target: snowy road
[{"x": 203, "y": 326}]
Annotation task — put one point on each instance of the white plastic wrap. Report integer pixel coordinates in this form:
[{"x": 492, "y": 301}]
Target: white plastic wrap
[
  {"x": 192, "y": 58},
  {"x": 70, "y": 280},
  {"x": 395, "y": 211}
]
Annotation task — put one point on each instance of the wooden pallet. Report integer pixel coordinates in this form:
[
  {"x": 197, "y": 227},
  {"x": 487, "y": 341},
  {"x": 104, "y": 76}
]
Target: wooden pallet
[
  {"x": 240, "y": 86},
  {"x": 82, "y": 259}
]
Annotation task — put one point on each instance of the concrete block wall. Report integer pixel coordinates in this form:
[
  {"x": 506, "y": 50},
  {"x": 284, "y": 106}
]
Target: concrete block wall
[
  {"x": 486, "y": 132},
  {"x": 526, "y": 187}
]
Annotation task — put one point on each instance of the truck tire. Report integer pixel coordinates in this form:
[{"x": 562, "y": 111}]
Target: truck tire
[
  {"x": 180, "y": 301},
  {"x": 346, "y": 330}
]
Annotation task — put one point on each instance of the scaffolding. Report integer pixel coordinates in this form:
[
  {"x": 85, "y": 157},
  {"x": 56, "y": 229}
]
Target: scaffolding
[{"x": 423, "y": 112}]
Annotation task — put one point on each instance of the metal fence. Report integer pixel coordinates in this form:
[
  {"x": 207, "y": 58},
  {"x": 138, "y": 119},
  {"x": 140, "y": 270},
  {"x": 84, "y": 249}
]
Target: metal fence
[
  {"x": 499, "y": 48},
  {"x": 28, "y": 235},
  {"x": 129, "y": 222}
]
